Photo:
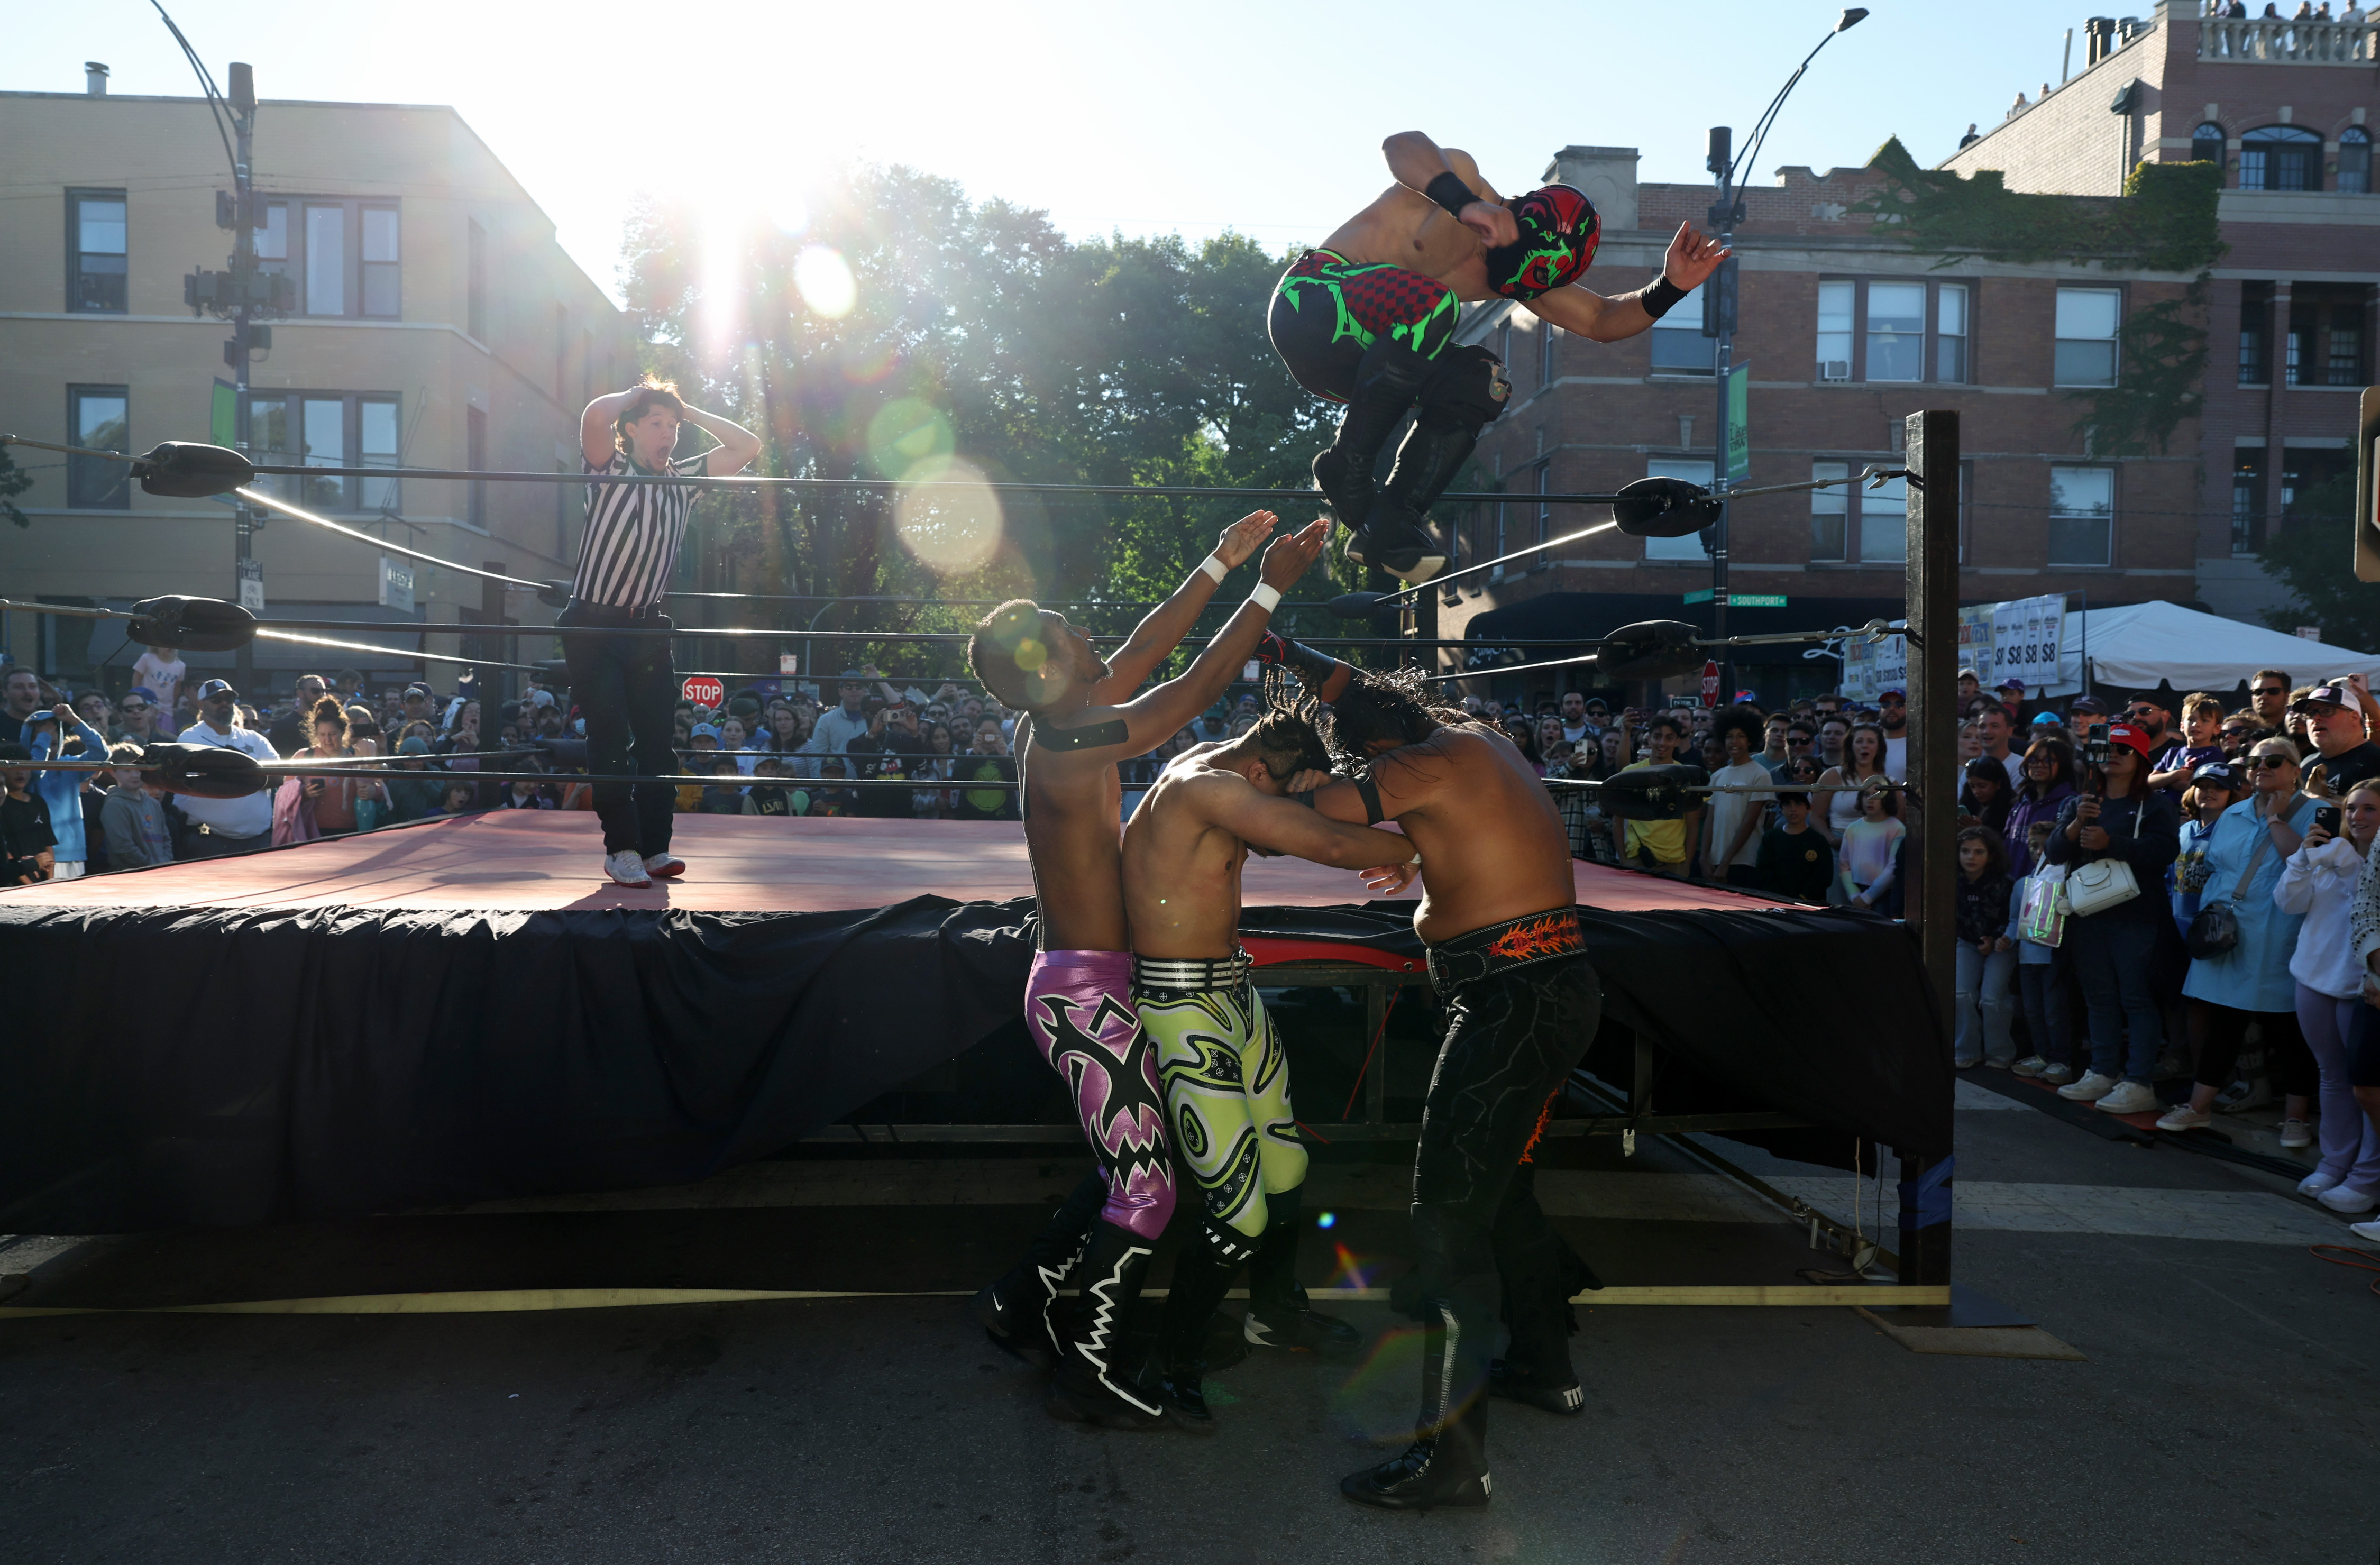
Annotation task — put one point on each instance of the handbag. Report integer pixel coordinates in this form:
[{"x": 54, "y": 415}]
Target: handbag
[
  {"x": 2041, "y": 916},
  {"x": 2103, "y": 882},
  {"x": 2216, "y": 931}
]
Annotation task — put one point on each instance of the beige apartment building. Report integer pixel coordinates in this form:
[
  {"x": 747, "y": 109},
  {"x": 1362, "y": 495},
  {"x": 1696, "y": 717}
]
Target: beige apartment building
[{"x": 436, "y": 323}]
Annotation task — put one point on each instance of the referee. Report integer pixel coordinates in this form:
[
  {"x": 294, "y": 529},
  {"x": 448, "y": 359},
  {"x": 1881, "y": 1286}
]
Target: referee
[{"x": 626, "y": 686}]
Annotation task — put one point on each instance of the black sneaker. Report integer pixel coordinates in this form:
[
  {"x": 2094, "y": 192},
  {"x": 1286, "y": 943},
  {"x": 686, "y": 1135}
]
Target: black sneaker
[
  {"x": 1430, "y": 1474},
  {"x": 1185, "y": 1393},
  {"x": 1569, "y": 1402},
  {"x": 1018, "y": 1328},
  {"x": 1299, "y": 1330},
  {"x": 1391, "y": 540}
]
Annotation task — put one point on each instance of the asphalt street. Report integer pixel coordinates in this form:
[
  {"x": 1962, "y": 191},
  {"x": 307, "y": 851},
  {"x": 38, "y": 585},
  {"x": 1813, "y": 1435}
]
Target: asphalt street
[{"x": 2223, "y": 1410}]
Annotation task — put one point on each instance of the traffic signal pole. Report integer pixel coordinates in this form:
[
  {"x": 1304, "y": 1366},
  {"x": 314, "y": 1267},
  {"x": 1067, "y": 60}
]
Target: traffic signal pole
[{"x": 243, "y": 271}]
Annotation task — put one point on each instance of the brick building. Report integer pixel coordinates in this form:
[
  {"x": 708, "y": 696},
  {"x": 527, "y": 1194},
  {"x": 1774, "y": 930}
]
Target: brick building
[
  {"x": 437, "y": 324},
  {"x": 1847, "y": 329}
]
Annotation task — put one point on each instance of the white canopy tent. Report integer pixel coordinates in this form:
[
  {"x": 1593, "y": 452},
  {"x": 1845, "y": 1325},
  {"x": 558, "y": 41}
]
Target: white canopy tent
[{"x": 2141, "y": 646}]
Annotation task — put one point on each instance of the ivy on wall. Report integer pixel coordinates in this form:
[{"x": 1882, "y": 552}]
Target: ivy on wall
[{"x": 2165, "y": 221}]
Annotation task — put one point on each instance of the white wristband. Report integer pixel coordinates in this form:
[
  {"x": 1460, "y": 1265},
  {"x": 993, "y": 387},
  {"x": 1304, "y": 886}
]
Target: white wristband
[
  {"x": 1415, "y": 859},
  {"x": 1265, "y": 596},
  {"x": 1215, "y": 568}
]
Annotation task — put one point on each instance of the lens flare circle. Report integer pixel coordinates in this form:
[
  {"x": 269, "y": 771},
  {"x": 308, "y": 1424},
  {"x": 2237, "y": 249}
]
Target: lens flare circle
[
  {"x": 955, "y": 526},
  {"x": 823, "y": 279},
  {"x": 907, "y": 431}
]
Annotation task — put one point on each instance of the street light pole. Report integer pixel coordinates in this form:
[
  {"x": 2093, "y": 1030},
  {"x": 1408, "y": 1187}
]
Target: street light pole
[
  {"x": 1719, "y": 318},
  {"x": 242, "y": 99}
]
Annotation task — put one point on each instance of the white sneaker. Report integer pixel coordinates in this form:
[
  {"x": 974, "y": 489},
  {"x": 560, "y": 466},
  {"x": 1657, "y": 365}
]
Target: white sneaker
[
  {"x": 2316, "y": 1182},
  {"x": 2090, "y": 1090},
  {"x": 664, "y": 865},
  {"x": 2130, "y": 1098},
  {"x": 2057, "y": 1074},
  {"x": 2365, "y": 1231},
  {"x": 2347, "y": 1200},
  {"x": 2296, "y": 1133},
  {"x": 2184, "y": 1117},
  {"x": 2031, "y": 1066},
  {"x": 627, "y": 869}
]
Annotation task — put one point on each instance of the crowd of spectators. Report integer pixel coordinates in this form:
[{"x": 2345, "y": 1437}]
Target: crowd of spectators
[{"x": 2253, "y": 823}]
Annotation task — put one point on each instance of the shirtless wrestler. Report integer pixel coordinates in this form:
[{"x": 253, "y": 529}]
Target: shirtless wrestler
[
  {"x": 1080, "y": 719},
  {"x": 1225, "y": 1076},
  {"x": 1499, "y": 914},
  {"x": 1368, "y": 319}
]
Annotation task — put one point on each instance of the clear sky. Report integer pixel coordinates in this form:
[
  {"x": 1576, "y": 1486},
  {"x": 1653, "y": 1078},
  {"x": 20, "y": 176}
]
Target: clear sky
[{"x": 1223, "y": 113}]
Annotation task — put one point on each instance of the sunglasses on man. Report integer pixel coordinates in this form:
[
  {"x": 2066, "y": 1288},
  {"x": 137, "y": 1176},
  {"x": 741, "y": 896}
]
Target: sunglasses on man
[
  {"x": 2270, "y": 690},
  {"x": 2270, "y": 762}
]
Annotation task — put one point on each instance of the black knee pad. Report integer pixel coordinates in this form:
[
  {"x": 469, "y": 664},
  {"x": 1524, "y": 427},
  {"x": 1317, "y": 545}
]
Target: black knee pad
[{"x": 1466, "y": 385}]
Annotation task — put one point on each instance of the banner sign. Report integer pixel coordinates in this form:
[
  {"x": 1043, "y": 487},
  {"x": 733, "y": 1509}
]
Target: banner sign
[
  {"x": 1872, "y": 667},
  {"x": 1739, "y": 422},
  {"x": 2027, "y": 635}
]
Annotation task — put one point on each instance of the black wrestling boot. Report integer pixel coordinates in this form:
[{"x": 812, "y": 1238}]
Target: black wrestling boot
[
  {"x": 1387, "y": 380},
  {"x": 1201, "y": 1279},
  {"x": 1447, "y": 1464},
  {"x": 1541, "y": 1274},
  {"x": 1280, "y": 1315},
  {"x": 1433, "y": 451},
  {"x": 1094, "y": 1384},
  {"x": 1014, "y": 1311}
]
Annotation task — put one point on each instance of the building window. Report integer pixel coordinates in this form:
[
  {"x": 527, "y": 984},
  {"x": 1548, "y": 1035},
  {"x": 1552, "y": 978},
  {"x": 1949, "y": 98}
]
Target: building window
[
  {"x": 2255, "y": 333},
  {"x": 95, "y": 251},
  {"x": 2087, "y": 319},
  {"x": 2345, "y": 365},
  {"x": 1878, "y": 332},
  {"x": 379, "y": 227},
  {"x": 2355, "y": 160},
  {"x": 1951, "y": 334},
  {"x": 343, "y": 254},
  {"x": 2247, "y": 500},
  {"x": 1544, "y": 354},
  {"x": 1691, "y": 546},
  {"x": 99, "y": 418},
  {"x": 1831, "y": 511},
  {"x": 1883, "y": 523},
  {"x": 2310, "y": 489},
  {"x": 1835, "y": 305},
  {"x": 475, "y": 459},
  {"x": 2206, "y": 144},
  {"x": 1679, "y": 346},
  {"x": 2280, "y": 157},
  {"x": 1895, "y": 331},
  {"x": 326, "y": 429},
  {"x": 2082, "y": 515},
  {"x": 2297, "y": 353},
  {"x": 475, "y": 282}
]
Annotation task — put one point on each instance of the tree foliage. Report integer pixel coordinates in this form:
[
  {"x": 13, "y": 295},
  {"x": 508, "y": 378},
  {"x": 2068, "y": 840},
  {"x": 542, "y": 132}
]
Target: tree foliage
[
  {"x": 974, "y": 332},
  {"x": 2312, "y": 554}
]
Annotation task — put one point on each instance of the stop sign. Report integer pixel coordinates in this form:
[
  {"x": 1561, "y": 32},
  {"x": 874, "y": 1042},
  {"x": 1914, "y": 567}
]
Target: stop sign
[
  {"x": 1710, "y": 685},
  {"x": 704, "y": 690}
]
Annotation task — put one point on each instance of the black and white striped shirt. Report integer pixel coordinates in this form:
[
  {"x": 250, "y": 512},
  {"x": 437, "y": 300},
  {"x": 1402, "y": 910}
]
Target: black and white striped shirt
[{"x": 633, "y": 533}]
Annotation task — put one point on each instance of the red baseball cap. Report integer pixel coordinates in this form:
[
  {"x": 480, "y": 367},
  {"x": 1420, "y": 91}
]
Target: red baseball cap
[{"x": 2132, "y": 736}]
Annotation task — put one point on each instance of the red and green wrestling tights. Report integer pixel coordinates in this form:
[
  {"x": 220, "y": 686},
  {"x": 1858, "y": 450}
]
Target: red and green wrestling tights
[{"x": 1380, "y": 338}]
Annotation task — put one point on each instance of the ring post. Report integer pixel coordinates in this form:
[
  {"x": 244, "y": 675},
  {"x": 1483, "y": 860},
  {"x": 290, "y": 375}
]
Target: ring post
[{"x": 1931, "y": 864}]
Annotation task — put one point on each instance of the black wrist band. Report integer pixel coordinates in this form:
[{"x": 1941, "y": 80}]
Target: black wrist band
[
  {"x": 1661, "y": 297},
  {"x": 1449, "y": 191}
]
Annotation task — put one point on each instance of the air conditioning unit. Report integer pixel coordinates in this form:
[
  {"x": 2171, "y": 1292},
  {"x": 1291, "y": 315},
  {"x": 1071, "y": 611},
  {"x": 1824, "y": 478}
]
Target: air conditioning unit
[{"x": 1834, "y": 369}]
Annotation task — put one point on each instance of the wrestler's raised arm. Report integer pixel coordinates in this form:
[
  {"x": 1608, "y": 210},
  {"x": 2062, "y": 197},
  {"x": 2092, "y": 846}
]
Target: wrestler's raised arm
[
  {"x": 1284, "y": 826},
  {"x": 1154, "y": 638},
  {"x": 1166, "y": 710},
  {"x": 1416, "y": 162},
  {"x": 1583, "y": 312}
]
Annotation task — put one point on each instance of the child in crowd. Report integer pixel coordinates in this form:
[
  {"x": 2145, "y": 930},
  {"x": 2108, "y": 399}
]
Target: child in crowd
[
  {"x": 2041, "y": 978},
  {"x": 1987, "y": 797},
  {"x": 769, "y": 795},
  {"x": 2214, "y": 787},
  {"x": 828, "y": 799},
  {"x": 522, "y": 793},
  {"x": 457, "y": 798},
  {"x": 1869, "y": 842},
  {"x": 1795, "y": 860},
  {"x": 25, "y": 840},
  {"x": 1987, "y": 954},
  {"x": 131, "y": 819},
  {"x": 2201, "y": 732}
]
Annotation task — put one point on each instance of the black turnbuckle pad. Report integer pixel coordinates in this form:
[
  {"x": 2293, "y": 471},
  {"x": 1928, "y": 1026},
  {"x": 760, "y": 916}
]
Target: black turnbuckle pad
[
  {"x": 206, "y": 771},
  {"x": 1650, "y": 650},
  {"x": 194, "y": 624},
  {"x": 191, "y": 471},
  {"x": 1664, "y": 508}
]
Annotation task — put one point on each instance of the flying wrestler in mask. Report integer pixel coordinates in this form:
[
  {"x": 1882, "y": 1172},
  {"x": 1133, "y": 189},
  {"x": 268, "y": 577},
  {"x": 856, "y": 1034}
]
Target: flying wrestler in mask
[{"x": 1368, "y": 319}]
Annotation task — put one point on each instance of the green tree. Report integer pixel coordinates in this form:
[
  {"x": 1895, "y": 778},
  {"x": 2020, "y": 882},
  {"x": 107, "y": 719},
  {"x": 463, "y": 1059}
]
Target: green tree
[
  {"x": 2313, "y": 553},
  {"x": 13, "y": 481},
  {"x": 974, "y": 332}
]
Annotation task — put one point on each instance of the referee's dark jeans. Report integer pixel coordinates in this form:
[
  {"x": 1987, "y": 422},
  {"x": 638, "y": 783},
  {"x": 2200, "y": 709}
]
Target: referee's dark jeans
[{"x": 626, "y": 688}]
